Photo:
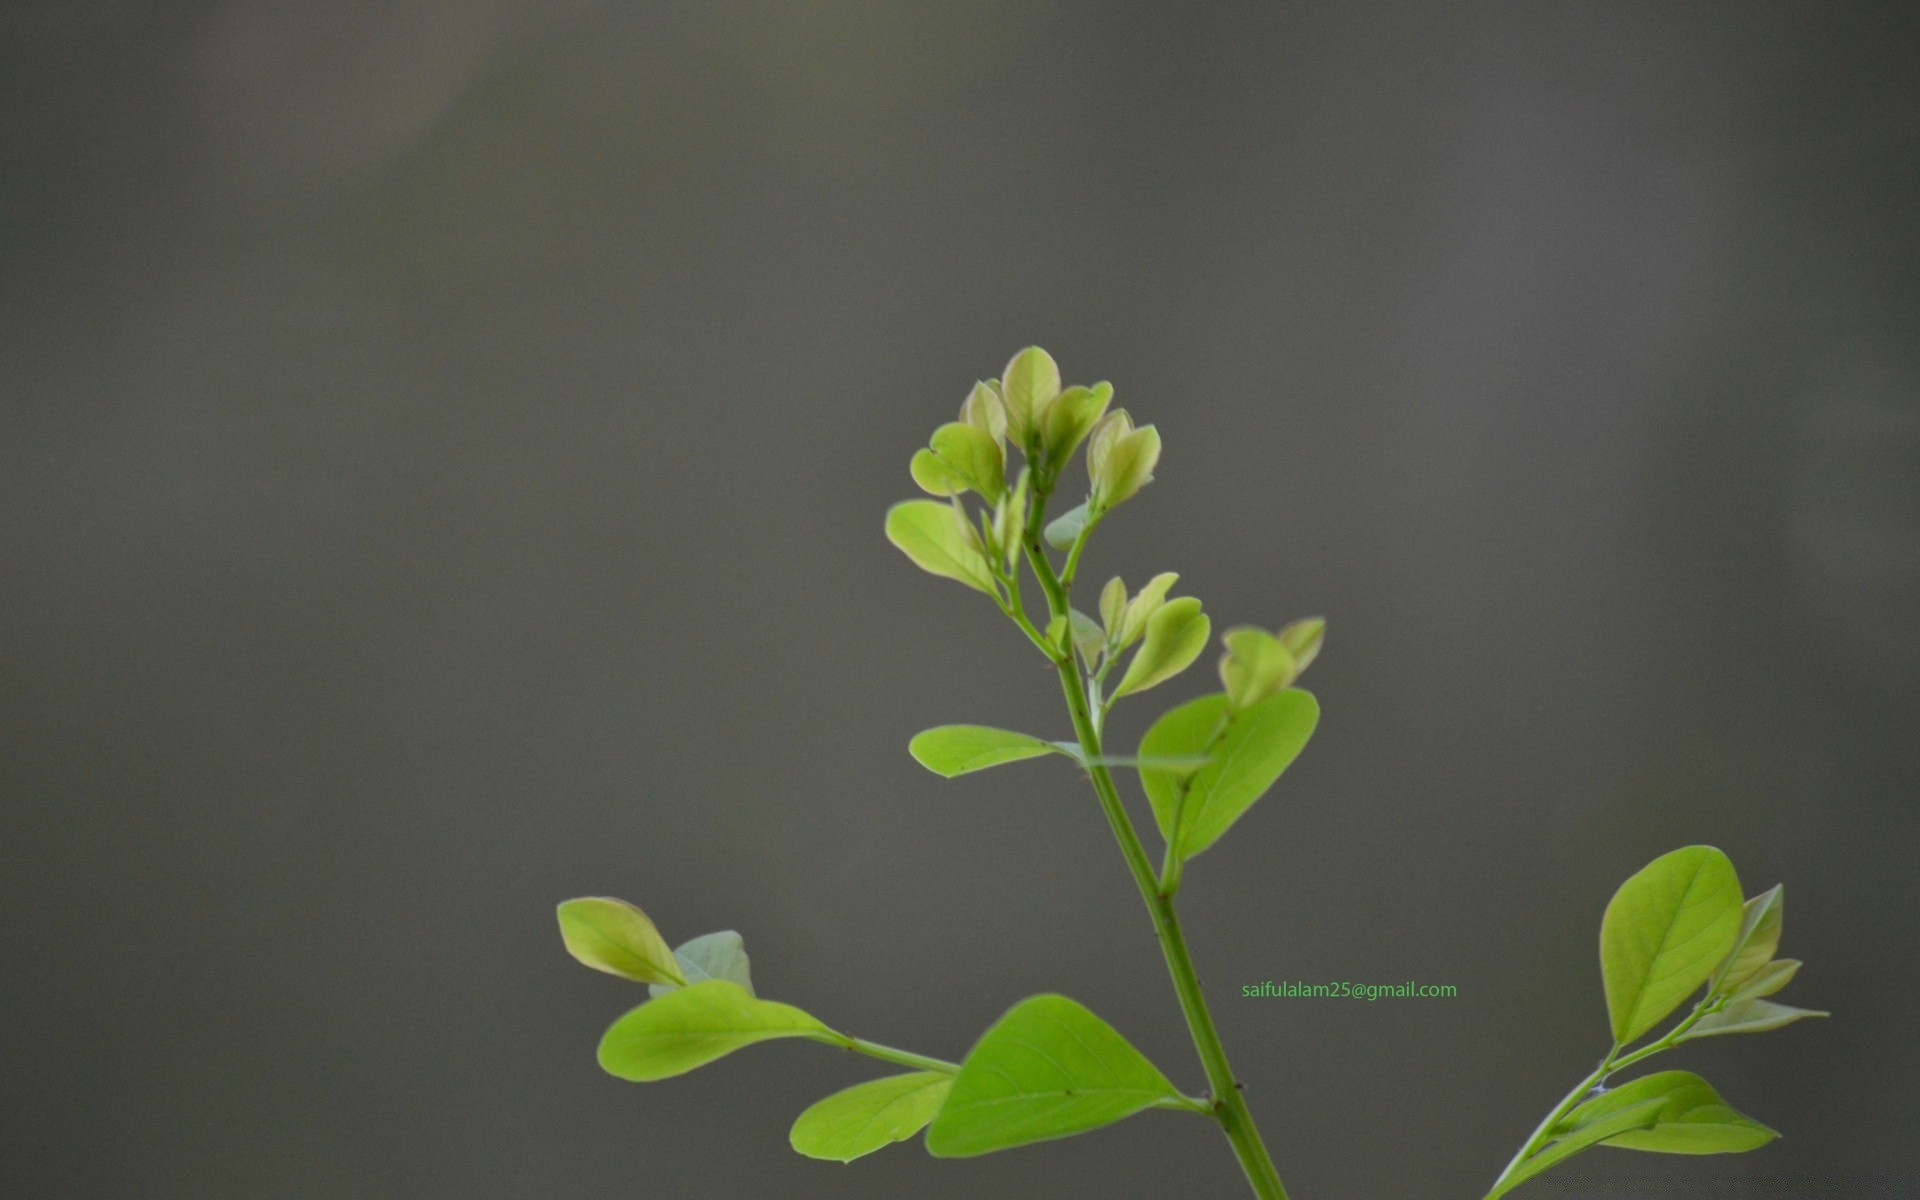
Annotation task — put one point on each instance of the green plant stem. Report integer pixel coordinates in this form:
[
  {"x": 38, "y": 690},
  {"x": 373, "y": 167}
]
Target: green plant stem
[
  {"x": 1540, "y": 1135},
  {"x": 1229, "y": 1107},
  {"x": 903, "y": 1058}
]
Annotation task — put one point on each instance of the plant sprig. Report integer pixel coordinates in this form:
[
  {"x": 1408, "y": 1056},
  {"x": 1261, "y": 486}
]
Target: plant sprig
[{"x": 1050, "y": 1067}]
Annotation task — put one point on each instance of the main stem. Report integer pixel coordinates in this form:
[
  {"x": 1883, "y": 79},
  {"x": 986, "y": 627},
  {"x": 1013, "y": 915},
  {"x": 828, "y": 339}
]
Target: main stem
[{"x": 1229, "y": 1106}]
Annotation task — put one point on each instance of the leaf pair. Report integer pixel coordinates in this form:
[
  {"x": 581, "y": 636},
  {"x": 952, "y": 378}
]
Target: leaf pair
[
  {"x": 616, "y": 937},
  {"x": 1245, "y": 752},
  {"x": 1047, "y": 1069},
  {"x": 1671, "y": 1112}
]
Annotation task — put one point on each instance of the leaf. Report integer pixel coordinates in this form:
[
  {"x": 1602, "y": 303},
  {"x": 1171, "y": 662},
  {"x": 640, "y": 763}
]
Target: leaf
[
  {"x": 1255, "y": 665},
  {"x": 1754, "y": 946},
  {"x": 613, "y": 936},
  {"x": 1047, "y": 1069},
  {"x": 1769, "y": 979},
  {"x": 1088, "y": 637},
  {"x": 933, "y": 535},
  {"x": 1141, "y": 608},
  {"x": 1027, "y": 388},
  {"x": 1664, "y": 933},
  {"x": 1064, "y": 530},
  {"x": 1573, "y": 1141},
  {"x": 982, "y": 408},
  {"x": 1692, "y": 1118},
  {"x": 710, "y": 956},
  {"x": 971, "y": 455},
  {"x": 693, "y": 1026},
  {"x": 934, "y": 476},
  {"x": 1071, "y": 417},
  {"x": 1246, "y": 752},
  {"x": 1751, "y": 1015},
  {"x": 868, "y": 1116},
  {"x": 1175, "y": 637},
  {"x": 1113, "y": 605},
  {"x": 952, "y": 750},
  {"x": 1127, "y": 467},
  {"x": 1303, "y": 639}
]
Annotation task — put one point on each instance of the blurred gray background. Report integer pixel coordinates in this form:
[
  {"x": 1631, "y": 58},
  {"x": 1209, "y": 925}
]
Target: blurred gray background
[{"x": 444, "y": 452}]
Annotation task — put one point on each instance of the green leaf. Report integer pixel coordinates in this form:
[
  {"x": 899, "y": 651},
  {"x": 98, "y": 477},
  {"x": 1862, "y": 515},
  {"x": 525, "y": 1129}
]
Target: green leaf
[
  {"x": 868, "y": 1116},
  {"x": 1141, "y": 608},
  {"x": 982, "y": 408},
  {"x": 1113, "y": 605},
  {"x": 938, "y": 541},
  {"x": 1027, "y": 387},
  {"x": 1756, "y": 943},
  {"x": 934, "y": 476},
  {"x": 1127, "y": 467},
  {"x": 1070, "y": 418},
  {"x": 1769, "y": 979},
  {"x": 693, "y": 1026},
  {"x": 1303, "y": 639},
  {"x": 1088, "y": 638},
  {"x": 1574, "y": 1140},
  {"x": 1664, "y": 933},
  {"x": 952, "y": 750},
  {"x": 1255, "y": 665},
  {"x": 1692, "y": 1118},
  {"x": 710, "y": 956},
  {"x": 1064, "y": 530},
  {"x": 1176, "y": 635},
  {"x": 1749, "y": 1015},
  {"x": 1047, "y": 1069},
  {"x": 972, "y": 455},
  {"x": 613, "y": 936},
  {"x": 1246, "y": 753}
]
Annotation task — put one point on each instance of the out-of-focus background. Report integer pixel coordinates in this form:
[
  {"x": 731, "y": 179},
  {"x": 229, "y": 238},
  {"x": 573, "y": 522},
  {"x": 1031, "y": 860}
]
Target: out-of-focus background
[{"x": 441, "y": 472}]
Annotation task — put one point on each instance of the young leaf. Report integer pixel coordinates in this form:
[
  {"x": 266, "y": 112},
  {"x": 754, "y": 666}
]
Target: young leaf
[
  {"x": 1071, "y": 417},
  {"x": 613, "y": 936},
  {"x": 1113, "y": 605},
  {"x": 710, "y": 956},
  {"x": 1126, "y": 467},
  {"x": 1664, "y": 933},
  {"x": 1047, "y": 1069},
  {"x": 935, "y": 477},
  {"x": 1692, "y": 1118},
  {"x": 1303, "y": 639},
  {"x": 1769, "y": 979},
  {"x": 693, "y": 1026},
  {"x": 1748, "y": 1015},
  {"x": 1088, "y": 638},
  {"x": 1245, "y": 752},
  {"x": 982, "y": 408},
  {"x": 1756, "y": 943},
  {"x": 1255, "y": 665},
  {"x": 867, "y": 1116},
  {"x": 1175, "y": 637},
  {"x": 1141, "y": 608},
  {"x": 1064, "y": 530},
  {"x": 938, "y": 541},
  {"x": 1027, "y": 388},
  {"x": 971, "y": 455},
  {"x": 952, "y": 750}
]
